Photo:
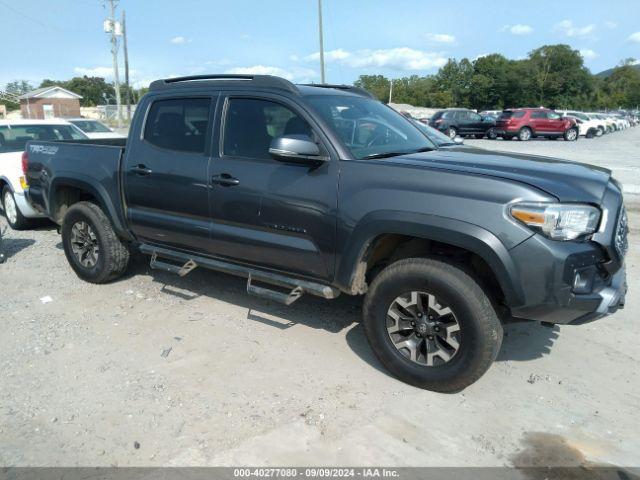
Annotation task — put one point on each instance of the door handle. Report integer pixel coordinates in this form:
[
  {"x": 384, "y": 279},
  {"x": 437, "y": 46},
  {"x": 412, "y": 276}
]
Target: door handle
[
  {"x": 225, "y": 180},
  {"x": 141, "y": 170}
]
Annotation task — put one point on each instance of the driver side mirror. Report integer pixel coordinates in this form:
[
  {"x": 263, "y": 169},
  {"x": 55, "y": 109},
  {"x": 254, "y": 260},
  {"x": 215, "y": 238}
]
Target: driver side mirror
[{"x": 296, "y": 149}]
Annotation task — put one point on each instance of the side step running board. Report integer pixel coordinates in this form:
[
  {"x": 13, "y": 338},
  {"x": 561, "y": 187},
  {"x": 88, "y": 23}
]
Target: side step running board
[
  {"x": 170, "y": 267},
  {"x": 297, "y": 287},
  {"x": 276, "y": 296}
]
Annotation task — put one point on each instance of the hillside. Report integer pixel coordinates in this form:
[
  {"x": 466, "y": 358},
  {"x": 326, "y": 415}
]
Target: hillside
[{"x": 606, "y": 73}]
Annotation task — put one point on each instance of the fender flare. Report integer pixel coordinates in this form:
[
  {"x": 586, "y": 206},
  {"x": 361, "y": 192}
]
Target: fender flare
[
  {"x": 430, "y": 227},
  {"x": 96, "y": 190}
]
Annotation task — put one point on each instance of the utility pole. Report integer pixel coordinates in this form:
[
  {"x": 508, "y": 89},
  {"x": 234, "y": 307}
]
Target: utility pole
[
  {"x": 391, "y": 90},
  {"x": 127, "y": 94},
  {"x": 111, "y": 27},
  {"x": 321, "y": 41}
]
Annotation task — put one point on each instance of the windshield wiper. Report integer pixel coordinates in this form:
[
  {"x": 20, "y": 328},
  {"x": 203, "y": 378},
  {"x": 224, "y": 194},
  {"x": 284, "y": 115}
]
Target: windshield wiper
[{"x": 396, "y": 154}]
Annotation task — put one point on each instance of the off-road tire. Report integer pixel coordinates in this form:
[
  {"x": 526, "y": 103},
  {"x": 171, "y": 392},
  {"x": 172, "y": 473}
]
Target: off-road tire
[
  {"x": 113, "y": 255},
  {"x": 480, "y": 328},
  {"x": 21, "y": 222}
]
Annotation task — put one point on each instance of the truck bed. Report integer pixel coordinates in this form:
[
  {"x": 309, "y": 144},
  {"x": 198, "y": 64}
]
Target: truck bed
[{"x": 93, "y": 164}]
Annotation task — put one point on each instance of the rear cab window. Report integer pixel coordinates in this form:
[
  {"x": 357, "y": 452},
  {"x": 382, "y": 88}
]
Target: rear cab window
[{"x": 179, "y": 124}]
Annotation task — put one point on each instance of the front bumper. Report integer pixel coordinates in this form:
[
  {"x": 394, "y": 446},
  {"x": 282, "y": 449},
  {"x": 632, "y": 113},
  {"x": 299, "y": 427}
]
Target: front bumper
[{"x": 575, "y": 282}]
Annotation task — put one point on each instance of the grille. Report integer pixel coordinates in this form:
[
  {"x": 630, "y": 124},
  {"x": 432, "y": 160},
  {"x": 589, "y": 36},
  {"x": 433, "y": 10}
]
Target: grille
[{"x": 622, "y": 230}]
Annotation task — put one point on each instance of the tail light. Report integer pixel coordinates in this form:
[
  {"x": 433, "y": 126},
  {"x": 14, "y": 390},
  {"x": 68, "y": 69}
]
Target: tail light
[
  {"x": 25, "y": 162},
  {"x": 438, "y": 121}
]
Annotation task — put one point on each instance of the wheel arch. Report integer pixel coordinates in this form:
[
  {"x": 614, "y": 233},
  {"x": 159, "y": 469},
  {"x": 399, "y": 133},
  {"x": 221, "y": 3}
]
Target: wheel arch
[
  {"x": 64, "y": 192},
  {"x": 355, "y": 259}
]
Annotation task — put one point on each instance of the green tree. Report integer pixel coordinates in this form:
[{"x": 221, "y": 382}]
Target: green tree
[{"x": 376, "y": 84}]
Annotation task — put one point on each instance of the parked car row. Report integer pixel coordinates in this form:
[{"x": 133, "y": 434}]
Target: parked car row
[
  {"x": 14, "y": 135},
  {"x": 527, "y": 123}
]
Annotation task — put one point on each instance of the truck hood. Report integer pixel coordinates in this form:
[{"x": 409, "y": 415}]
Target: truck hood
[{"x": 565, "y": 180}]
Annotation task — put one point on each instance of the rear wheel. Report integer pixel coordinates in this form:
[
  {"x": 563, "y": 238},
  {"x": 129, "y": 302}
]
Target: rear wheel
[
  {"x": 91, "y": 246},
  {"x": 453, "y": 132},
  {"x": 524, "y": 134},
  {"x": 571, "y": 135},
  {"x": 599, "y": 131},
  {"x": 431, "y": 324},
  {"x": 12, "y": 213}
]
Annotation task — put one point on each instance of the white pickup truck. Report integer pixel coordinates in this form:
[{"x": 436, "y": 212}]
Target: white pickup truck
[{"x": 14, "y": 134}]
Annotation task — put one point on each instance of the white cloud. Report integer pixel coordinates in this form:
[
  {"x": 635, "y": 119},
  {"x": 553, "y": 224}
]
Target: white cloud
[
  {"x": 105, "y": 72},
  {"x": 329, "y": 56},
  {"x": 518, "y": 29},
  {"x": 480, "y": 56},
  {"x": 180, "y": 40},
  {"x": 294, "y": 58},
  {"x": 588, "y": 54},
  {"x": 440, "y": 38},
  {"x": 611, "y": 25},
  {"x": 402, "y": 58},
  {"x": 567, "y": 28},
  {"x": 245, "y": 36},
  {"x": 634, "y": 37},
  {"x": 302, "y": 75}
]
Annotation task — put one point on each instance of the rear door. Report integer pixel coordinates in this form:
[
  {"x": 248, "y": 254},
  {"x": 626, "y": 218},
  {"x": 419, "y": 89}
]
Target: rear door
[
  {"x": 465, "y": 124},
  {"x": 538, "y": 121},
  {"x": 267, "y": 213},
  {"x": 166, "y": 173}
]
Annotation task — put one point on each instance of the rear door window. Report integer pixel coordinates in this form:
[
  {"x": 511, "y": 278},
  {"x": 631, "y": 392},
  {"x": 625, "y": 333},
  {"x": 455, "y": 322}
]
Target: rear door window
[
  {"x": 180, "y": 124},
  {"x": 539, "y": 115}
]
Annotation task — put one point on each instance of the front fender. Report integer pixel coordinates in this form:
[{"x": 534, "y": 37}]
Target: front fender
[{"x": 430, "y": 227}]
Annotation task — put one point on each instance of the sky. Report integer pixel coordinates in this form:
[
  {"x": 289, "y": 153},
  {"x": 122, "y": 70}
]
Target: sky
[{"x": 60, "y": 39}]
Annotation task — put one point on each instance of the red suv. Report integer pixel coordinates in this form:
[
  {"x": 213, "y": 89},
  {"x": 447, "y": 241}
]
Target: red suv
[{"x": 526, "y": 123}]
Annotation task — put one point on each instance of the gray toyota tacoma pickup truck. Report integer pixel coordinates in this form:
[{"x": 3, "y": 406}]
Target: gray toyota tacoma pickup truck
[{"x": 321, "y": 189}]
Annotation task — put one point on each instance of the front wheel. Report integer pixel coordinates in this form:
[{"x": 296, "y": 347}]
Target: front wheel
[
  {"x": 571, "y": 135},
  {"x": 491, "y": 134},
  {"x": 431, "y": 325},
  {"x": 91, "y": 246},
  {"x": 12, "y": 212}
]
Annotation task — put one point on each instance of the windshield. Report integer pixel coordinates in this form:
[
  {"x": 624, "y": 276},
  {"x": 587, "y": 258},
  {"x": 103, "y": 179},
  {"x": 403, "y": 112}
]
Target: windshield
[
  {"x": 368, "y": 128},
  {"x": 91, "y": 126},
  {"x": 13, "y": 138},
  {"x": 437, "y": 137}
]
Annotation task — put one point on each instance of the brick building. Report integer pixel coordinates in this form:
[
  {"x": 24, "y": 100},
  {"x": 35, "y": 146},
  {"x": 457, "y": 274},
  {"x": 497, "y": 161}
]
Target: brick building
[{"x": 50, "y": 102}]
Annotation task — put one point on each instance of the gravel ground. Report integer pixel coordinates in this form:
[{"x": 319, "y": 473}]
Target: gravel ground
[{"x": 159, "y": 370}]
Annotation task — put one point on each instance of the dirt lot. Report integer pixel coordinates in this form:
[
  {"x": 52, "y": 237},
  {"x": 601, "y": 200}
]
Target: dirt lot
[{"x": 159, "y": 370}]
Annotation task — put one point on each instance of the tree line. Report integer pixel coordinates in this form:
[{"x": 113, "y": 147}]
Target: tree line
[
  {"x": 553, "y": 76},
  {"x": 94, "y": 90}
]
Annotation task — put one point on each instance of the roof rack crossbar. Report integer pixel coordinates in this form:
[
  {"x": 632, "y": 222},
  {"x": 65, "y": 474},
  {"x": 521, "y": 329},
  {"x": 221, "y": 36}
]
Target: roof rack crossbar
[
  {"x": 257, "y": 80},
  {"x": 349, "y": 88}
]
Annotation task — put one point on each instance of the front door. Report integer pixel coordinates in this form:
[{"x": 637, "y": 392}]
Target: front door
[
  {"x": 166, "y": 174},
  {"x": 265, "y": 212}
]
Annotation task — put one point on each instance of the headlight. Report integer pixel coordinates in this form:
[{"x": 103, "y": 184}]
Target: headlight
[{"x": 556, "y": 220}]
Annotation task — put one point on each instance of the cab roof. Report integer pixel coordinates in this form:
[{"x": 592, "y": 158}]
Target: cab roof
[{"x": 257, "y": 81}]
